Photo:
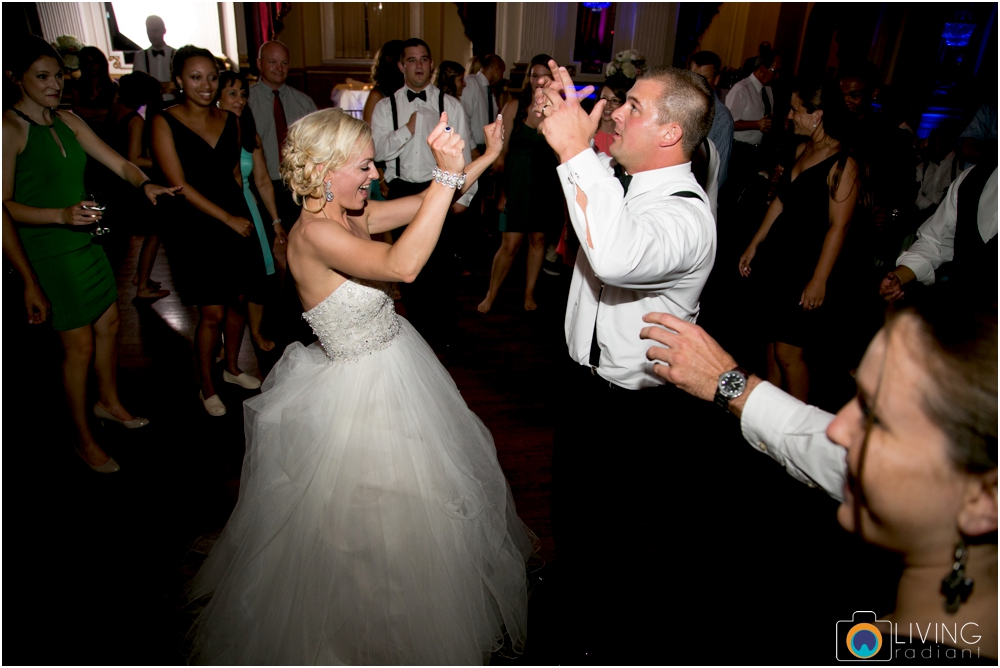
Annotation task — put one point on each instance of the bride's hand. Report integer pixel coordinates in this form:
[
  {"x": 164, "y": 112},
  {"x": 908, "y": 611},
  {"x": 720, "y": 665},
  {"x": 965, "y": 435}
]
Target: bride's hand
[{"x": 447, "y": 146}]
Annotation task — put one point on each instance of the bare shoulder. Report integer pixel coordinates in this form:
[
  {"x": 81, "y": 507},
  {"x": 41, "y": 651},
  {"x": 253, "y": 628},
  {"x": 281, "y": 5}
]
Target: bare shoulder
[
  {"x": 510, "y": 109},
  {"x": 74, "y": 122},
  {"x": 15, "y": 130}
]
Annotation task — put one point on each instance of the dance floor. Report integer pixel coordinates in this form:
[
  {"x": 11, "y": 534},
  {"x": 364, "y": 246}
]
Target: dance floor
[{"x": 95, "y": 565}]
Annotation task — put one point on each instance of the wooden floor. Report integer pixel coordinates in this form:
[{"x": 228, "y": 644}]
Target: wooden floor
[{"x": 95, "y": 564}]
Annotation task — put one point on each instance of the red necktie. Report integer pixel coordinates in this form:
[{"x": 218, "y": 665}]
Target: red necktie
[{"x": 280, "y": 123}]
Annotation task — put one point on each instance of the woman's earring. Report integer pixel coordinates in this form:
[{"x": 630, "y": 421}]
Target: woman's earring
[
  {"x": 955, "y": 586},
  {"x": 327, "y": 192}
]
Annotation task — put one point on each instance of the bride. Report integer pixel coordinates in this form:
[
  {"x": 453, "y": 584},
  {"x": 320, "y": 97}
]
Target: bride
[{"x": 374, "y": 525}]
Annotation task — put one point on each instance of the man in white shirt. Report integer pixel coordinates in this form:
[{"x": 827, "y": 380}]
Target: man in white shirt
[
  {"x": 401, "y": 124},
  {"x": 751, "y": 103},
  {"x": 275, "y": 106},
  {"x": 650, "y": 242},
  {"x": 478, "y": 100},
  {"x": 155, "y": 61},
  {"x": 962, "y": 231}
]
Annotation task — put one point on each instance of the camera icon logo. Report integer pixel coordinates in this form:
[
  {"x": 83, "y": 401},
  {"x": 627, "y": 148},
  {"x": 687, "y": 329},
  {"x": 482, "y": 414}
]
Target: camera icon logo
[{"x": 864, "y": 638}]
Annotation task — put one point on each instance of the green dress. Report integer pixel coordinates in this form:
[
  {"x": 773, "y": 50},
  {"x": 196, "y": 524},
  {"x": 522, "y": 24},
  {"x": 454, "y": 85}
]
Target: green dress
[{"x": 73, "y": 271}]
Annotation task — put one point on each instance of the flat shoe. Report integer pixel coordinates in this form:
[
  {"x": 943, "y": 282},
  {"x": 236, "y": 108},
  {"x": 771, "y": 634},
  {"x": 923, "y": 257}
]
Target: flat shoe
[
  {"x": 244, "y": 380},
  {"x": 213, "y": 405},
  {"x": 134, "y": 423}
]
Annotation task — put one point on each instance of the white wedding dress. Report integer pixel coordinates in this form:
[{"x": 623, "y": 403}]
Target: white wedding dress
[{"x": 374, "y": 525}]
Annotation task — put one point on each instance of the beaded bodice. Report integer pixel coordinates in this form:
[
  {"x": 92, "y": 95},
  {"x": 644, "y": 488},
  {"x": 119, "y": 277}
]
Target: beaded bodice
[{"x": 357, "y": 319}]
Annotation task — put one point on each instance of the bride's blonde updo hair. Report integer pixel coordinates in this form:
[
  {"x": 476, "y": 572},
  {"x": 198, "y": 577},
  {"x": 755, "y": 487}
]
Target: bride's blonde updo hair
[{"x": 319, "y": 143}]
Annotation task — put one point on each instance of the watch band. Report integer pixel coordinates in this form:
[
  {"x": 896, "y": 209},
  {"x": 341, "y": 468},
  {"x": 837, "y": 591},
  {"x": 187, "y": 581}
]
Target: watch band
[{"x": 722, "y": 400}]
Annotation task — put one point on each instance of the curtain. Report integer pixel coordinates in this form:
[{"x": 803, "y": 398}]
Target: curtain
[{"x": 361, "y": 28}]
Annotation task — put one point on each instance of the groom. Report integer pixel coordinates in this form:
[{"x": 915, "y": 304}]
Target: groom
[{"x": 647, "y": 242}]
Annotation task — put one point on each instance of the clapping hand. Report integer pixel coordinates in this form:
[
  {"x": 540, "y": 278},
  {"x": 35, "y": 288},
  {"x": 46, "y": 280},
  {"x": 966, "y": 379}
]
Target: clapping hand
[
  {"x": 566, "y": 126},
  {"x": 447, "y": 147}
]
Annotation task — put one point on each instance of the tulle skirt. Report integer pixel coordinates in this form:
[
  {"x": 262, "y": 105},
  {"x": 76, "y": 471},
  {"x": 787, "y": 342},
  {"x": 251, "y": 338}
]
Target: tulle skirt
[{"x": 374, "y": 525}]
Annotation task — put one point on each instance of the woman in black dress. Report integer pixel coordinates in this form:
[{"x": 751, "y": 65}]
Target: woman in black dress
[
  {"x": 197, "y": 145},
  {"x": 801, "y": 238}
]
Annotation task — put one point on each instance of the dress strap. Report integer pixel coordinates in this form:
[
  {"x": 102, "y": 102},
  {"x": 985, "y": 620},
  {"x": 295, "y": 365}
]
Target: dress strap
[{"x": 23, "y": 115}]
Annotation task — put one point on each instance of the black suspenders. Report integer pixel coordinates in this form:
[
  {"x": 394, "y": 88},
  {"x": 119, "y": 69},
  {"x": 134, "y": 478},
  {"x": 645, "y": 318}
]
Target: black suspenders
[{"x": 395, "y": 120}]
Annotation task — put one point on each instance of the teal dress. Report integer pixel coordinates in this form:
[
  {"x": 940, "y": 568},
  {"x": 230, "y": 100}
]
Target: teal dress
[
  {"x": 73, "y": 271},
  {"x": 246, "y": 168}
]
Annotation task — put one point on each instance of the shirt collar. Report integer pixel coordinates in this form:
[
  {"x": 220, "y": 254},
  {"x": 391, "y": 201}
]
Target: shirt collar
[
  {"x": 643, "y": 182},
  {"x": 755, "y": 82}
]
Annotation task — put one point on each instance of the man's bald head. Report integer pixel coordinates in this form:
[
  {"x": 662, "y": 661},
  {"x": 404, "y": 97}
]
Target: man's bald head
[
  {"x": 272, "y": 61},
  {"x": 155, "y": 30}
]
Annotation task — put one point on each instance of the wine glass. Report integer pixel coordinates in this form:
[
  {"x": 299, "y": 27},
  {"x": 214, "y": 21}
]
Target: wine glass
[{"x": 92, "y": 196}]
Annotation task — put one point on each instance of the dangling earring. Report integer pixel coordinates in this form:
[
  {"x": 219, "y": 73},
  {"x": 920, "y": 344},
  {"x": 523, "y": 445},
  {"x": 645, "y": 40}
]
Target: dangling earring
[
  {"x": 327, "y": 192},
  {"x": 955, "y": 586}
]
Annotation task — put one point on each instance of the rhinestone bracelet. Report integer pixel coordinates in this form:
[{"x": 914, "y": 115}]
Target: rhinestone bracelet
[{"x": 448, "y": 179}]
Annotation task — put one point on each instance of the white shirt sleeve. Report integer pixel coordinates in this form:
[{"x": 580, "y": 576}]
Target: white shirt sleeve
[
  {"x": 461, "y": 125},
  {"x": 794, "y": 435},
  {"x": 389, "y": 143},
  {"x": 651, "y": 248},
  {"x": 935, "y": 242},
  {"x": 736, "y": 102}
]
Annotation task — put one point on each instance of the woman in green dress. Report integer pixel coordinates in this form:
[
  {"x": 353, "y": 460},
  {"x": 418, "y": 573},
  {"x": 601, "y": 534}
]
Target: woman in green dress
[{"x": 44, "y": 154}]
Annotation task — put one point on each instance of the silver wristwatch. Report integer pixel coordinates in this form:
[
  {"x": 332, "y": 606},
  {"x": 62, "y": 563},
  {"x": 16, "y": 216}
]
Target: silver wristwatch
[{"x": 732, "y": 384}]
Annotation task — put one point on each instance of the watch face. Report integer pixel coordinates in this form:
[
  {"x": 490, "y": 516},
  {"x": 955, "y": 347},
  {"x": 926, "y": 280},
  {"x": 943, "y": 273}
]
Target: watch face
[{"x": 732, "y": 384}]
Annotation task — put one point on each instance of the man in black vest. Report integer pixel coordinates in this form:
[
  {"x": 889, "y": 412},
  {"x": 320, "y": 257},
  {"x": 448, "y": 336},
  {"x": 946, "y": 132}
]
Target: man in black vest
[{"x": 959, "y": 242}]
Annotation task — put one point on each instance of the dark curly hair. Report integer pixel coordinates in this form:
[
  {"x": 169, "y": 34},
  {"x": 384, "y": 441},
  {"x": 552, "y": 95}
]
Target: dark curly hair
[
  {"x": 186, "y": 53},
  {"x": 444, "y": 76}
]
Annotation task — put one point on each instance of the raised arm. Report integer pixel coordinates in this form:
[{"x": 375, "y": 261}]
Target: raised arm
[
  {"x": 385, "y": 216},
  {"x": 95, "y": 147},
  {"x": 335, "y": 247},
  {"x": 165, "y": 154}
]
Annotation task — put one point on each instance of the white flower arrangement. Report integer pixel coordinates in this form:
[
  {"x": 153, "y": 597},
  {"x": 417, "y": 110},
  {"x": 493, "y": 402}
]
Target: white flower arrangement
[{"x": 629, "y": 64}]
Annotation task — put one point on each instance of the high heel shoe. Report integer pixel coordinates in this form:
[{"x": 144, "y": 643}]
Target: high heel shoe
[
  {"x": 134, "y": 423},
  {"x": 213, "y": 405},
  {"x": 110, "y": 466},
  {"x": 244, "y": 380}
]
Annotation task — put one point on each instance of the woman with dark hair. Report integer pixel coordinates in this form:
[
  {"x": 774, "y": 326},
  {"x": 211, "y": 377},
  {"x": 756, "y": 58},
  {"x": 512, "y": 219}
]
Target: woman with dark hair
[
  {"x": 93, "y": 93},
  {"x": 233, "y": 94},
  {"x": 197, "y": 145},
  {"x": 613, "y": 91},
  {"x": 131, "y": 136},
  {"x": 795, "y": 251},
  {"x": 530, "y": 186},
  {"x": 44, "y": 155},
  {"x": 386, "y": 76},
  {"x": 449, "y": 76}
]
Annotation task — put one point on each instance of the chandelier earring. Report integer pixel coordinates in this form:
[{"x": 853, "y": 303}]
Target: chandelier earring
[{"x": 327, "y": 193}]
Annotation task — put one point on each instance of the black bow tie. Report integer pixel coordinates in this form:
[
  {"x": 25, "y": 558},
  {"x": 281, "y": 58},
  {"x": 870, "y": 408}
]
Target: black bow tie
[
  {"x": 156, "y": 53},
  {"x": 411, "y": 96}
]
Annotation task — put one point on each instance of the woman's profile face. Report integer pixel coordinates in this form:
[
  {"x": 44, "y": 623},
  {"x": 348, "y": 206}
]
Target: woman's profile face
[
  {"x": 459, "y": 84},
  {"x": 912, "y": 492},
  {"x": 200, "y": 80},
  {"x": 233, "y": 98},
  {"x": 43, "y": 82},
  {"x": 350, "y": 183},
  {"x": 536, "y": 73},
  {"x": 803, "y": 123}
]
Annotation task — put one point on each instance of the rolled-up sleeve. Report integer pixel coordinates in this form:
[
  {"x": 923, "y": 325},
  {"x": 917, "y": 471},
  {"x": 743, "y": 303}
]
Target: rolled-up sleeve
[
  {"x": 935, "y": 242},
  {"x": 646, "y": 249},
  {"x": 794, "y": 435}
]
